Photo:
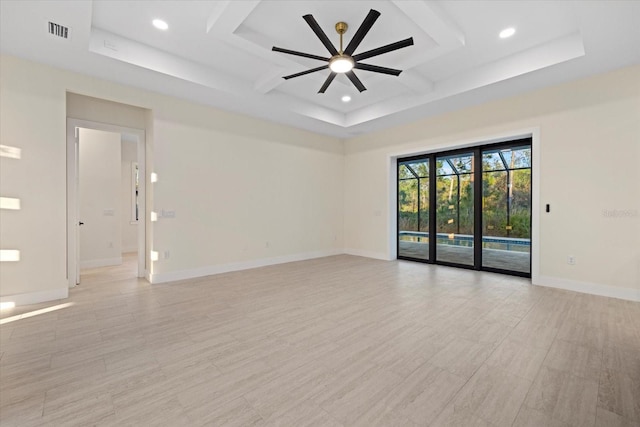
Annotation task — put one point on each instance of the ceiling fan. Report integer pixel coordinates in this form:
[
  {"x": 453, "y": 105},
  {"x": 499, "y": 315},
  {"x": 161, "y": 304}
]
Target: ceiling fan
[{"x": 345, "y": 61}]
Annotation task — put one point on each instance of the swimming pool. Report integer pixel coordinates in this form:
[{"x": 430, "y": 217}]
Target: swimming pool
[{"x": 488, "y": 242}]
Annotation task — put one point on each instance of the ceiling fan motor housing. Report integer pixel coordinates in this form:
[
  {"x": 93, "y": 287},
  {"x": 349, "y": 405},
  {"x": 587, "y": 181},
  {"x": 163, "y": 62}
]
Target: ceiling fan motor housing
[{"x": 341, "y": 27}]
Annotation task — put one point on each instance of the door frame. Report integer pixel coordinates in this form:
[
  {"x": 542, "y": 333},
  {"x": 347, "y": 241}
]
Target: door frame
[{"x": 72, "y": 192}]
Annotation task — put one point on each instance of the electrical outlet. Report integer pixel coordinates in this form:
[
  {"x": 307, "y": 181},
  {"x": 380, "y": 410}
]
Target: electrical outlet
[
  {"x": 571, "y": 260},
  {"x": 167, "y": 254}
]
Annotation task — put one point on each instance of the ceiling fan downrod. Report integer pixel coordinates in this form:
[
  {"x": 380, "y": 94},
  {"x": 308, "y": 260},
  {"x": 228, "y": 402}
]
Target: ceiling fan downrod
[
  {"x": 341, "y": 63},
  {"x": 341, "y": 28}
]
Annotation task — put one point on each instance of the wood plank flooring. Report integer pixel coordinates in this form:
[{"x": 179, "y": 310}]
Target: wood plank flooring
[{"x": 337, "y": 341}]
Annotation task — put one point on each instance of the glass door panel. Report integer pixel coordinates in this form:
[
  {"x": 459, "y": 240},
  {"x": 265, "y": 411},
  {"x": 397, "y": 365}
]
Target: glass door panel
[
  {"x": 454, "y": 209},
  {"x": 506, "y": 209},
  {"x": 413, "y": 209}
]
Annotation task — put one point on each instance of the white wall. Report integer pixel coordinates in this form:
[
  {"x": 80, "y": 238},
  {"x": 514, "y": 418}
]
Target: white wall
[
  {"x": 242, "y": 199},
  {"x": 100, "y": 199},
  {"x": 234, "y": 182},
  {"x": 32, "y": 118},
  {"x": 589, "y": 163},
  {"x": 129, "y": 226}
]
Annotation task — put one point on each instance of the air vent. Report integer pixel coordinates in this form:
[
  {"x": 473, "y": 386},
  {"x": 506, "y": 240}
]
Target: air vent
[{"x": 59, "y": 30}]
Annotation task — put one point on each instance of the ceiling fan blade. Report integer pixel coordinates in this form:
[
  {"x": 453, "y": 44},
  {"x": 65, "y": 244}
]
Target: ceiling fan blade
[
  {"x": 321, "y": 35},
  {"x": 304, "y": 55},
  {"x": 327, "y": 82},
  {"x": 302, "y": 73},
  {"x": 362, "y": 31},
  {"x": 384, "y": 49},
  {"x": 377, "y": 69},
  {"x": 356, "y": 81}
]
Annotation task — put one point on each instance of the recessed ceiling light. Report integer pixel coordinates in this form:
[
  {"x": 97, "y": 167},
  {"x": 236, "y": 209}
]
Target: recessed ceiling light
[
  {"x": 507, "y": 32},
  {"x": 346, "y": 98},
  {"x": 160, "y": 24}
]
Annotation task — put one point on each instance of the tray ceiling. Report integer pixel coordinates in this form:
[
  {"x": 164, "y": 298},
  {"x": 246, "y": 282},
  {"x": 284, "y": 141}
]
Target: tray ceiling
[{"x": 219, "y": 52}]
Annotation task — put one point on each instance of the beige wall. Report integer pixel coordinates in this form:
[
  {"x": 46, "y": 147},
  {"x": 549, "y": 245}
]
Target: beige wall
[
  {"x": 242, "y": 197},
  {"x": 588, "y": 163},
  {"x": 32, "y": 118},
  {"x": 245, "y": 192},
  {"x": 93, "y": 109}
]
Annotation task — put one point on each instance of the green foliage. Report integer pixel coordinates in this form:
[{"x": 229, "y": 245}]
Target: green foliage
[{"x": 506, "y": 211}]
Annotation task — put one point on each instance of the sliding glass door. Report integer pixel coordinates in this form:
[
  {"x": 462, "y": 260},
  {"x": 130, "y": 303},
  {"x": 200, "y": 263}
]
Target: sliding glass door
[
  {"x": 469, "y": 208},
  {"x": 413, "y": 209},
  {"x": 454, "y": 209},
  {"x": 506, "y": 212}
]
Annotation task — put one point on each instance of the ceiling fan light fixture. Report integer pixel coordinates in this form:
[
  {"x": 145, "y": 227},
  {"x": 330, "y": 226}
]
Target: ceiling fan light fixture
[{"x": 341, "y": 64}]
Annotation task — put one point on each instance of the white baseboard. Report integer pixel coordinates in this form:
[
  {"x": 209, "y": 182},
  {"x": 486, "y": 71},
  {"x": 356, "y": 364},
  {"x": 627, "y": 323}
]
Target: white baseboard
[
  {"x": 367, "y": 254},
  {"x": 37, "y": 297},
  {"x": 105, "y": 262},
  {"x": 548, "y": 281},
  {"x": 589, "y": 288},
  {"x": 173, "y": 276}
]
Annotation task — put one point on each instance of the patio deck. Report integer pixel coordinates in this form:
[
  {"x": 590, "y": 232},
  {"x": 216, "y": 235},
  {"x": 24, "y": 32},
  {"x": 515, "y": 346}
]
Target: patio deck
[{"x": 493, "y": 258}]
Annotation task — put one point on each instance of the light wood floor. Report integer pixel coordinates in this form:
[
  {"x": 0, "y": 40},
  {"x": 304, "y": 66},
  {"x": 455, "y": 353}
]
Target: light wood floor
[{"x": 338, "y": 341}]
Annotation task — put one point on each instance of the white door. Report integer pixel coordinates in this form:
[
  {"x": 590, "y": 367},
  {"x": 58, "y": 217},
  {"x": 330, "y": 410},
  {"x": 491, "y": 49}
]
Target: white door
[
  {"x": 100, "y": 198},
  {"x": 79, "y": 223}
]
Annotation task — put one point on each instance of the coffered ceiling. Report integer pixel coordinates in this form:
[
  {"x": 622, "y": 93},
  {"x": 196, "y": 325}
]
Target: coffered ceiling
[{"x": 219, "y": 52}]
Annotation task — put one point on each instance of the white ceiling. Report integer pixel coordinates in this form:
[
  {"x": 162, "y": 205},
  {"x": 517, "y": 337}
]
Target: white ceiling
[{"x": 219, "y": 52}]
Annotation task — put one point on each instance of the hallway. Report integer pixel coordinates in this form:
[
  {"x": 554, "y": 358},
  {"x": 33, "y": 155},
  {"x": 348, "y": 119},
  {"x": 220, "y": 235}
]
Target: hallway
[{"x": 100, "y": 275}]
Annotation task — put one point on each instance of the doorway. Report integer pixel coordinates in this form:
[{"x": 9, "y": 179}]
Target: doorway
[
  {"x": 468, "y": 208},
  {"x": 103, "y": 215}
]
